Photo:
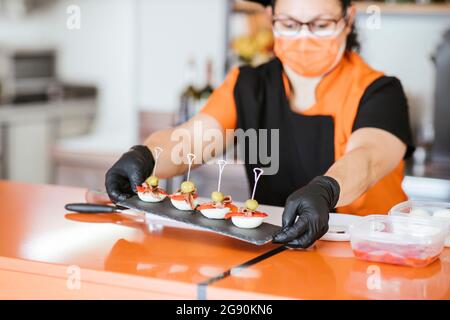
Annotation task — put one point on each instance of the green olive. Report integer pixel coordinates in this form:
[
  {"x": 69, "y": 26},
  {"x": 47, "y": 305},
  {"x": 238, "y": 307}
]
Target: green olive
[
  {"x": 152, "y": 181},
  {"x": 251, "y": 204},
  {"x": 187, "y": 187},
  {"x": 217, "y": 196}
]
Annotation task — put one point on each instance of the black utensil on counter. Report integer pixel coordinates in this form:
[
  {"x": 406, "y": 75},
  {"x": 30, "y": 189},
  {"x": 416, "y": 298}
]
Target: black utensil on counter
[{"x": 93, "y": 208}]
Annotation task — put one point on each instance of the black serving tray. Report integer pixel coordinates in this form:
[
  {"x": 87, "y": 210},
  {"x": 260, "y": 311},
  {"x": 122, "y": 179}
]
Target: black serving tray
[{"x": 259, "y": 236}]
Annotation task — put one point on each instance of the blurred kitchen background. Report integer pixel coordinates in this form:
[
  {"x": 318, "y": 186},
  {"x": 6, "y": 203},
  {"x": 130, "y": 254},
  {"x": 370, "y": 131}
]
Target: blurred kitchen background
[{"x": 74, "y": 97}]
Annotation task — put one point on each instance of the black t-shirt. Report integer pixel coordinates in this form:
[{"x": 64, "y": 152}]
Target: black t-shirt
[{"x": 384, "y": 106}]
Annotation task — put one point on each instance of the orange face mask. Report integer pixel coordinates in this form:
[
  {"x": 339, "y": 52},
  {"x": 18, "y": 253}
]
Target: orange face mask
[{"x": 309, "y": 56}]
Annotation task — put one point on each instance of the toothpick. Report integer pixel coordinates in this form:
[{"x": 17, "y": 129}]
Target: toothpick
[
  {"x": 222, "y": 164},
  {"x": 191, "y": 158},
  {"x": 158, "y": 152},
  {"x": 258, "y": 172}
]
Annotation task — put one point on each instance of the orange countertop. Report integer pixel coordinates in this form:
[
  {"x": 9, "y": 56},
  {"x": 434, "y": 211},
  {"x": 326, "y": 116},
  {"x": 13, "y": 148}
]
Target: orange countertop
[{"x": 43, "y": 250}]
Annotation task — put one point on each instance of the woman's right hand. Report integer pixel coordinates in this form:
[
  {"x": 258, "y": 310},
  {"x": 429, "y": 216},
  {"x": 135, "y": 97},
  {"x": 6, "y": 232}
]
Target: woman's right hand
[{"x": 128, "y": 172}]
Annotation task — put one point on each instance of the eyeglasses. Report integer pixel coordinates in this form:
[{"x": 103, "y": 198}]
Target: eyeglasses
[{"x": 286, "y": 26}]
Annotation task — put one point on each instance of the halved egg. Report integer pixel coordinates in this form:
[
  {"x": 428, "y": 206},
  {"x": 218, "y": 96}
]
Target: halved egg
[
  {"x": 247, "y": 222},
  {"x": 248, "y": 217},
  {"x": 186, "y": 197},
  {"x": 183, "y": 204},
  {"x": 151, "y": 197},
  {"x": 215, "y": 213},
  {"x": 218, "y": 208}
]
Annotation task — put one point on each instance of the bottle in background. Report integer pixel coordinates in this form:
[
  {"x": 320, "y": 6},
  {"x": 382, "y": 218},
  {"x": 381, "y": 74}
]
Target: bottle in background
[
  {"x": 190, "y": 96},
  {"x": 208, "y": 89}
]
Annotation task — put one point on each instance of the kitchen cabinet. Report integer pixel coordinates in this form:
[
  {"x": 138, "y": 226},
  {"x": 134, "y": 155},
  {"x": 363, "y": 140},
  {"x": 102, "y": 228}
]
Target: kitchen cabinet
[
  {"x": 83, "y": 162},
  {"x": 28, "y": 133},
  {"x": 81, "y": 168}
]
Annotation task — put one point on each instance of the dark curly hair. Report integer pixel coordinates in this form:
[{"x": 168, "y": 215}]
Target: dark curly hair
[{"x": 352, "y": 39}]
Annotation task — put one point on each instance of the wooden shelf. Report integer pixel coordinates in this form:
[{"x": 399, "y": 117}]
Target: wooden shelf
[{"x": 245, "y": 7}]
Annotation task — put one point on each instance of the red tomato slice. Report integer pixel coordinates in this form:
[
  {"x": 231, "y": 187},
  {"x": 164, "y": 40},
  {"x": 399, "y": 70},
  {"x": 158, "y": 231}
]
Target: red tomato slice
[
  {"x": 180, "y": 196},
  {"x": 206, "y": 206},
  {"x": 162, "y": 191},
  {"x": 232, "y": 207},
  {"x": 211, "y": 205},
  {"x": 255, "y": 214},
  {"x": 147, "y": 189},
  {"x": 142, "y": 189}
]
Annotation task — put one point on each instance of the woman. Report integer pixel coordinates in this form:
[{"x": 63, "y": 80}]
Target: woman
[{"x": 344, "y": 127}]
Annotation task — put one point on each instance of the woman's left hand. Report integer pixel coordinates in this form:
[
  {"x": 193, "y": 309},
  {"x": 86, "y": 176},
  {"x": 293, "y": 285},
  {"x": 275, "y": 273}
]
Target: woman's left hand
[{"x": 312, "y": 205}]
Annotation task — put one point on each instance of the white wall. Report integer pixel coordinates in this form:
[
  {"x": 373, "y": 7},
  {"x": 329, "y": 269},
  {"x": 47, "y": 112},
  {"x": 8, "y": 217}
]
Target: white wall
[
  {"x": 172, "y": 31},
  {"x": 103, "y": 52},
  {"x": 403, "y": 47}
]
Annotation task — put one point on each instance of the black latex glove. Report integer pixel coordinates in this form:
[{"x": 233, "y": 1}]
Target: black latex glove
[
  {"x": 306, "y": 213},
  {"x": 133, "y": 168}
]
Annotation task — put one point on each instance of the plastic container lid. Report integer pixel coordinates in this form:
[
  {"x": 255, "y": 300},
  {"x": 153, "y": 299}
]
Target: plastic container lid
[
  {"x": 398, "y": 229},
  {"x": 398, "y": 239},
  {"x": 423, "y": 209},
  {"x": 438, "y": 211}
]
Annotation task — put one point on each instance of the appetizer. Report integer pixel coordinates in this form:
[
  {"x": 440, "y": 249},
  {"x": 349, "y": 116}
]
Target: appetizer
[
  {"x": 186, "y": 197},
  {"x": 248, "y": 217},
  {"x": 220, "y": 204},
  {"x": 149, "y": 191}
]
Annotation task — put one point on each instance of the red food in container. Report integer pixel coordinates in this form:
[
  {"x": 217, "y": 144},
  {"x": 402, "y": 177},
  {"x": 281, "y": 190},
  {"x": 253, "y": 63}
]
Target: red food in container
[
  {"x": 407, "y": 256},
  {"x": 397, "y": 240}
]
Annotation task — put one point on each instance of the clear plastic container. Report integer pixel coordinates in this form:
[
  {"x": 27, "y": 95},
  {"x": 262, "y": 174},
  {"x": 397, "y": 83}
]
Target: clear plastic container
[
  {"x": 439, "y": 211},
  {"x": 398, "y": 240}
]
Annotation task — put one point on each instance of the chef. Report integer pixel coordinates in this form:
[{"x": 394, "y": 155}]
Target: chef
[{"x": 343, "y": 126}]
